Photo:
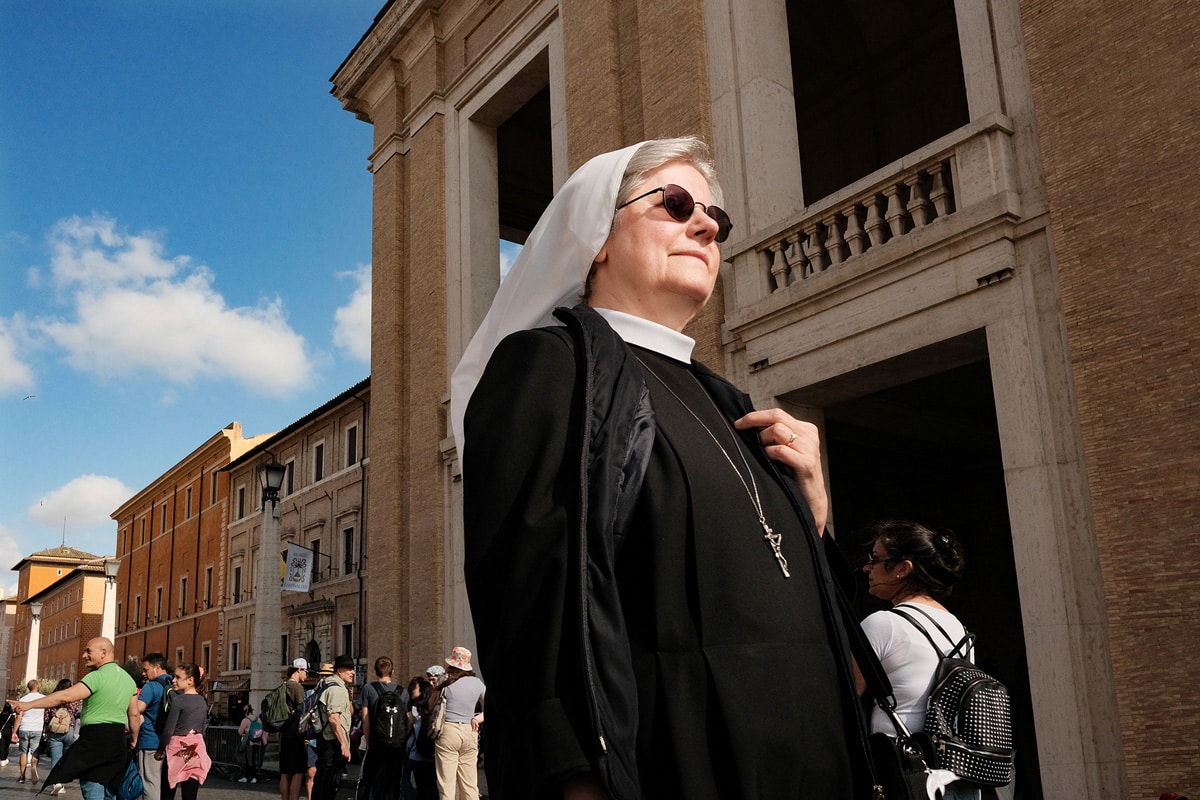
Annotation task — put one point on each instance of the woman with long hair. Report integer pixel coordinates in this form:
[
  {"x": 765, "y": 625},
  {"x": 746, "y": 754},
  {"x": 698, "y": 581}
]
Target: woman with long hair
[
  {"x": 187, "y": 758},
  {"x": 419, "y": 763}
]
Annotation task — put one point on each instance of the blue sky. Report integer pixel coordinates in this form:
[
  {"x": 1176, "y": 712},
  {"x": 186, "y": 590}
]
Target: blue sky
[{"x": 185, "y": 241}]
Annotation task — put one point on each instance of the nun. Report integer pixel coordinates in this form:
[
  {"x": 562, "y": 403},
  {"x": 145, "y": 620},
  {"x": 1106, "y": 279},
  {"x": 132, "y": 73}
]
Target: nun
[{"x": 645, "y": 561}]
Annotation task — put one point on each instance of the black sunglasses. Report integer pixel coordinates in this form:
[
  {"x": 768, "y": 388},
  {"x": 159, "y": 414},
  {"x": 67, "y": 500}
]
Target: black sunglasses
[{"x": 679, "y": 204}]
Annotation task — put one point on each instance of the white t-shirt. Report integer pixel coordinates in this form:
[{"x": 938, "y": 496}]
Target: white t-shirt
[
  {"x": 33, "y": 719},
  {"x": 909, "y": 660}
]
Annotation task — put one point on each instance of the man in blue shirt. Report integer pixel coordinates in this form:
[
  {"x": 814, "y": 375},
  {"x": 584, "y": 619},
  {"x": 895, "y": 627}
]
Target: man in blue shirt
[{"x": 149, "y": 704}]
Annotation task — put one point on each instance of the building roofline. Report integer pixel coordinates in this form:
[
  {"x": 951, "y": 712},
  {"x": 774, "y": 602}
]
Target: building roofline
[
  {"x": 50, "y": 557},
  {"x": 378, "y": 16},
  {"x": 264, "y": 446},
  {"x": 231, "y": 434},
  {"x": 96, "y": 566}
]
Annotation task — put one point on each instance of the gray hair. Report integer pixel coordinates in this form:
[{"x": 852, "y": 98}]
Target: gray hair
[
  {"x": 659, "y": 152},
  {"x": 650, "y": 156}
]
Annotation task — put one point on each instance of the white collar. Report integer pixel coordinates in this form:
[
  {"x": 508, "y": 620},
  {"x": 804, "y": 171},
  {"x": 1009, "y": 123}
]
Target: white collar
[{"x": 650, "y": 335}]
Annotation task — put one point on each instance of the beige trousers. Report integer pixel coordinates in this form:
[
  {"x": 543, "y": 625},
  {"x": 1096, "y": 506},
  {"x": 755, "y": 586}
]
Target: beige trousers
[{"x": 456, "y": 754}]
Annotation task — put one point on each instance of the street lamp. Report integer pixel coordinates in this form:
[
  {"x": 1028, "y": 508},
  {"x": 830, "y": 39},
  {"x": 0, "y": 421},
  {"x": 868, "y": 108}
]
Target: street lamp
[
  {"x": 35, "y": 639},
  {"x": 265, "y": 658},
  {"x": 108, "y": 614}
]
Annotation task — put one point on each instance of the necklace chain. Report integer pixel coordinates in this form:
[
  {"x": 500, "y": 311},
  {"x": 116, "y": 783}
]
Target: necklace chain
[{"x": 773, "y": 539}]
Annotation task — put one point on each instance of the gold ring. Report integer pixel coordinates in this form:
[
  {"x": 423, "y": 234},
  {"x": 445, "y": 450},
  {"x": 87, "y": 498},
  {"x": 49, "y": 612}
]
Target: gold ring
[{"x": 791, "y": 439}]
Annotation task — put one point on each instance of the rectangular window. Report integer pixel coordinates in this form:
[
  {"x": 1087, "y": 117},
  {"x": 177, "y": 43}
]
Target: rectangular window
[
  {"x": 120, "y": 619},
  {"x": 188, "y": 510},
  {"x": 283, "y": 649},
  {"x": 143, "y": 530},
  {"x": 348, "y": 551},
  {"x": 163, "y": 527},
  {"x": 290, "y": 480},
  {"x": 316, "y": 560},
  {"x": 208, "y": 575},
  {"x": 351, "y": 445},
  {"x": 237, "y": 585},
  {"x": 318, "y": 462},
  {"x": 241, "y": 502},
  {"x": 137, "y": 611},
  {"x": 234, "y": 647},
  {"x": 183, "y": 597},
  {"x": 158, "y": 604},
  {"x": 179, "y": 655},
  {"x": 348, "y": 638},
  {"x": 213, "y": 488},
  {"x": 206, "y": 657}
]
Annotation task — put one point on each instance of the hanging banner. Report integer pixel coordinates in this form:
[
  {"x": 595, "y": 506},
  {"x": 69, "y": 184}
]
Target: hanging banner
[{"x": 298, "y": 569}]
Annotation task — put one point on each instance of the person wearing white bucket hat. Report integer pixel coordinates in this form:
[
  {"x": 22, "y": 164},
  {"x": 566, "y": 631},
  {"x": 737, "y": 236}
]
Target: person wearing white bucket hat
[{"x": 639, "y": 539}]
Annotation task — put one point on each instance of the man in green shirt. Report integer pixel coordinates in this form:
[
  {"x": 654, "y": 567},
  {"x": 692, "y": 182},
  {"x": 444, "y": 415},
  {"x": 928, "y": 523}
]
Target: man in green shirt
[{"x": 109, "y": 697}]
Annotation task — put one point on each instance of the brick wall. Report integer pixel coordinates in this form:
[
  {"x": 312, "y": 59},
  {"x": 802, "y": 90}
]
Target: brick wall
[{"x": 1115, "y": 95}]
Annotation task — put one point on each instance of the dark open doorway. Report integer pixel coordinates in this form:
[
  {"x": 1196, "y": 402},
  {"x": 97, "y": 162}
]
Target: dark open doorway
[{"x": 916, "y": 437}]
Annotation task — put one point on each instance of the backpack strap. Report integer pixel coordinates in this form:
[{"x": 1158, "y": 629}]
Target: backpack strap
[{"x": 965, "y": 645}]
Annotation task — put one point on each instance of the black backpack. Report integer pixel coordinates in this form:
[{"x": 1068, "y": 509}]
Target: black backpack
[
  {"x": 388, "y": 717},
  {"x": 969, "y": 713},
  {"x": 160, "y": 720}
]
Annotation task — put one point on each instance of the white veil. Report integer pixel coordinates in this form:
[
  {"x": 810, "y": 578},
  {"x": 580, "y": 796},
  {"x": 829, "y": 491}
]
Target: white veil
[{"x": 549, "y": 272}]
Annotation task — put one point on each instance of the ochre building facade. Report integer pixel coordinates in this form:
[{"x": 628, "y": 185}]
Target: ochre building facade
[
  {"x": 69, "y": 584},
  {"x": 322, "y": 508},
  {"x": 172, "y": 541},
  {"x": 960, "y": 249}
]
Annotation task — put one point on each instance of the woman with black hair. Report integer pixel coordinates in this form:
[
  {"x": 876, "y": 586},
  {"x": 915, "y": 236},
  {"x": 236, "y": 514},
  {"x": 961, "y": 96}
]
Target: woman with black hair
[
  {"x": 419, "y": 763},
  {"x": 913, "y": 568}
]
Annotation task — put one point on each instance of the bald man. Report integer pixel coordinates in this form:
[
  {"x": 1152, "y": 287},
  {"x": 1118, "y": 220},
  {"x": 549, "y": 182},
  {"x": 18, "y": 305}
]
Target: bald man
[{"x": 109, "y": 697}]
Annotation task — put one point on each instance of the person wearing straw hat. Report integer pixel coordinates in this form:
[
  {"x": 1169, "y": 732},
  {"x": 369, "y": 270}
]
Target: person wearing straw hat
[
  {"x": 333, "y": 742},
  {"x": 456, "y": 752},
  {"x": 639, "y": 540}
]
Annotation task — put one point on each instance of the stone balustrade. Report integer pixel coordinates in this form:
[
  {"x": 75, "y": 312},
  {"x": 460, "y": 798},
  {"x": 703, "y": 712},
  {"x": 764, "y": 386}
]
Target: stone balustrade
[
  {"x": 968, "y": 167},
  {"x": 835, "y": 235}
]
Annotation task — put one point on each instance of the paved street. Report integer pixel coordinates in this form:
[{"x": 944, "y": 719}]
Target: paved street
[{"x": 217, "y": 787}]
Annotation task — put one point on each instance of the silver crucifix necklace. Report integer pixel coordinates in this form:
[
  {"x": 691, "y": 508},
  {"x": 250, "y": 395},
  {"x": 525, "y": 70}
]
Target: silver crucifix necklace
[{"x": 773, "y": 539}]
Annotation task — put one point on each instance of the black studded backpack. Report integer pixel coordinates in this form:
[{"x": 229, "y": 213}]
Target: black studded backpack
[{"x": 969, "y": 714}]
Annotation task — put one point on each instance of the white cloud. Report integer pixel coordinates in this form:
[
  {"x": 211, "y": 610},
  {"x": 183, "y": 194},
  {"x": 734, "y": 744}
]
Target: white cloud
[
  {"x": 83, "y": 506},
  {"x": 137, "y": 311},
  {"x": 93, "y": 252},
  {"x": 352, "y": 322},
  {"x": 15, "y": 375}
]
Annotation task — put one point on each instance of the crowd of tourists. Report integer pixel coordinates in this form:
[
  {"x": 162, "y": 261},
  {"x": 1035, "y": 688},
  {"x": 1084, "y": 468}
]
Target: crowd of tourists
[{"x": 387, "y": 722}]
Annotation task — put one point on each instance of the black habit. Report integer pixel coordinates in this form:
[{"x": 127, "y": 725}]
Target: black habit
[{"x": 742, "y": 689}]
